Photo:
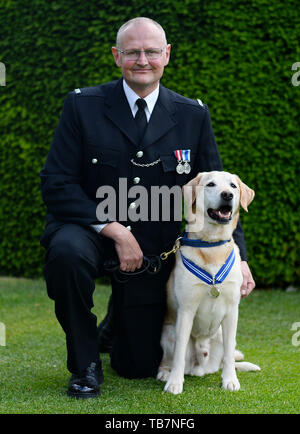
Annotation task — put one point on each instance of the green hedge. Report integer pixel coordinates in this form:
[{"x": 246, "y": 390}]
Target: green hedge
[{"x": 234, "y": 55}]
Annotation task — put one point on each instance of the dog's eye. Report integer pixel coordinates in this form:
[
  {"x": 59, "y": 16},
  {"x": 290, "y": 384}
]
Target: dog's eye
[
  {"x": 233, "y": 185},
  {"x": 210, "y": 184}
]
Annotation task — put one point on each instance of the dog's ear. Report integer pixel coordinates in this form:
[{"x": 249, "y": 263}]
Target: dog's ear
[
  {"x": 246, "y": 194},
  {"x": 189, "y": 189}
]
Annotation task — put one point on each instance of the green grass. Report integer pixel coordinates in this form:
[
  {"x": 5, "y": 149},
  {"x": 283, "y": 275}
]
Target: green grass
[{"x": 34, "y": 378}]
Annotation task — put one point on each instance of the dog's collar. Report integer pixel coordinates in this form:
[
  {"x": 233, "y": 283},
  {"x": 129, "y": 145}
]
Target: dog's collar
[
  {"x": 185, "y": 241},
  {"x": 207, "y": 277}
]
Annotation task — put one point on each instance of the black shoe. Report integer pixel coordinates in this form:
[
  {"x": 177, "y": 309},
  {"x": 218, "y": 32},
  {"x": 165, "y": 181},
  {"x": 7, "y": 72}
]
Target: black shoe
[
  {"x": 87, "y": 383},
  {"x": 105, "y": 330}
]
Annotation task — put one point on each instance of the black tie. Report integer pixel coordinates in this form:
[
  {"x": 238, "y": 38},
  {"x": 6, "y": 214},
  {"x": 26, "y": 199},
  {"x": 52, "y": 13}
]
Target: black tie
[{"x": 140, "y": 117}]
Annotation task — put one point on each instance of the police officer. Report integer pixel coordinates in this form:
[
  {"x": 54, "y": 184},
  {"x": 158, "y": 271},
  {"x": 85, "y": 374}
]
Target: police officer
[{"x": 132, "y": 130}]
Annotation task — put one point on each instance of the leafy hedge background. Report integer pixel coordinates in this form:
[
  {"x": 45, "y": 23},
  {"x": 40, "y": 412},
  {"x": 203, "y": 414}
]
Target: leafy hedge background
[{"x": 235, "y": 55}]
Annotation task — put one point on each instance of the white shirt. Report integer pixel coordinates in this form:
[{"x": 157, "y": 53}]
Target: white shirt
[{"x": 131, "y": 98}]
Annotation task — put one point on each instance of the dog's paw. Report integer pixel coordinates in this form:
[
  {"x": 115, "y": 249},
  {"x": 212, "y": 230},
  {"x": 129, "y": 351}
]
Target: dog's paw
[
  {"x": 231, "y": 384},
  {"x": 175, "y": 388},
  {"x": 238, "y": 355},
  {"x": 174, "y": 385},
  {"x": 163, "y": 375}
]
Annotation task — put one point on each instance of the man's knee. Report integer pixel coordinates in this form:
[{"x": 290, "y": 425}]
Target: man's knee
[
  {"x": 64, "y": 253},
  {"x": 71, "y": 246},
  {"x": 71, "y": 261}
]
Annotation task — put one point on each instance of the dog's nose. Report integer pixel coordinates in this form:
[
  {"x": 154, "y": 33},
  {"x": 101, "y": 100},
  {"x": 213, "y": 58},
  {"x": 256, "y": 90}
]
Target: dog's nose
[{"x": 225, "y": 195}]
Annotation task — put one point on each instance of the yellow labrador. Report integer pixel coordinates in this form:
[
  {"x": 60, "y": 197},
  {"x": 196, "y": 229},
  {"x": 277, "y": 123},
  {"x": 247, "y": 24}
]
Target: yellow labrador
[{"x": 203, "y": 291}]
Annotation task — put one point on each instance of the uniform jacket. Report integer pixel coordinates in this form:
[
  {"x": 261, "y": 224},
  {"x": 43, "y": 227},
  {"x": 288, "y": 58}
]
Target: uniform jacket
[{"x": 93, "y": 146}]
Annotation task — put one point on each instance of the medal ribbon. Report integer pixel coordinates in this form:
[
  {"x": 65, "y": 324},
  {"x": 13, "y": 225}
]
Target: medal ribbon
[
  {"x": 207, "y": 277},
  {"x": 182, "y": 155}
]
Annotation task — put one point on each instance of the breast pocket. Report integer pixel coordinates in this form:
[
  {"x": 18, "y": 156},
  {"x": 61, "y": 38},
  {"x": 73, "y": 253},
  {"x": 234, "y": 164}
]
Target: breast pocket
[
  {"x": 101, "y": 168},
  {"x": 97, "y": 158}
]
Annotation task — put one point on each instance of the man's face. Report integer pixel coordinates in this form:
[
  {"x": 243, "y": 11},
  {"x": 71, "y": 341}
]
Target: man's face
[{"x": 142, "y": 75}]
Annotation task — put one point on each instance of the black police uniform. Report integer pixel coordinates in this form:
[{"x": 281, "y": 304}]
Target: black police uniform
[{"x": 95, "y": 144}]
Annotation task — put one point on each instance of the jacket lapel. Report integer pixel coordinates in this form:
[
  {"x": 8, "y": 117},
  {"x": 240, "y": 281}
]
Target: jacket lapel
[
  {"x": 118, "y": 111},
  {"x": 161, "y": 120}
]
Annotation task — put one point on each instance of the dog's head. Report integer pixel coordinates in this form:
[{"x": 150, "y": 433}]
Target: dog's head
[{"x": 217, "y": 196}]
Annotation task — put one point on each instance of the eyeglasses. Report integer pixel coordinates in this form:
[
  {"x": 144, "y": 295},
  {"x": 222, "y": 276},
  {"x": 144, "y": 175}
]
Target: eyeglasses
[{"x": 151, "y": 53}]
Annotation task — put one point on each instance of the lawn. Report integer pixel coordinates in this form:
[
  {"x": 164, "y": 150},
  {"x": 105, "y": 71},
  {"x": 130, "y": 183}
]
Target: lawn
[{"x": 33, "y": 374}]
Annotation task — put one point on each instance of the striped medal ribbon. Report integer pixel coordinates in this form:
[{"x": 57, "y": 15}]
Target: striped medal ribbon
[
  {"x": 207, "y": 277},
  {"x": 183, "y": 156}
]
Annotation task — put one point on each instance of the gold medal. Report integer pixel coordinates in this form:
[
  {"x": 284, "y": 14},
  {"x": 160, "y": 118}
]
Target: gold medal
[{"x": 214, "y": 292}]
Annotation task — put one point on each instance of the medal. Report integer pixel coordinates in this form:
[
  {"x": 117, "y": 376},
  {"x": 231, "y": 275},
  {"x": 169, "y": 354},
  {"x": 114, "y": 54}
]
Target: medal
[
  {"x": 187, "y": 168},
  {"x": 180, "y": 168},
  {"x": 183, "y": 158},
  {"x": 214, "y": 292}
]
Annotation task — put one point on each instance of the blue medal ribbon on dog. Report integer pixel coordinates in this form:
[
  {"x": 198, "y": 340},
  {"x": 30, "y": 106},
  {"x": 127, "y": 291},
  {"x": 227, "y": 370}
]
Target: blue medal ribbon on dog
[{"x": 207, "y": 277}]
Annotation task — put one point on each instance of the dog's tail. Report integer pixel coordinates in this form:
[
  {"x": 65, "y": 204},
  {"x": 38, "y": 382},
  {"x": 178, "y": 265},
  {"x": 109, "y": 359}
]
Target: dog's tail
[{"x": 246, "y": 366}]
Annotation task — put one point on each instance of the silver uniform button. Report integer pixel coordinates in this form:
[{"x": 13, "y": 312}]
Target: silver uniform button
[
  {"x": 94, "y": 160},
  {"x": 139, "y": 154},
  {"x": 128, "y": 227},
  {"x": 136, "y": 180},
  {"x": 132, "y": 205}
]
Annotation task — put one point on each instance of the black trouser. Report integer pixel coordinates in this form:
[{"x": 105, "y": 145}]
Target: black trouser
[{"x": 74, "y": 258}]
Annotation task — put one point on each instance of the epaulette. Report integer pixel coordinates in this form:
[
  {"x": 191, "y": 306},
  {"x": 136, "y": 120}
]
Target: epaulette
[
  {"x": 89, "y": 91},
  {"x": 183, "y": 100}
]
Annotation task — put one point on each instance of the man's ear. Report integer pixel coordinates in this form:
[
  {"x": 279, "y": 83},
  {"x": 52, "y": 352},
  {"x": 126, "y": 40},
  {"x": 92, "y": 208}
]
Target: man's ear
[
  {"x": 167, "y": 55},
  {"x": 246, "y": 194},
  {"x": 116, "y": 54}
]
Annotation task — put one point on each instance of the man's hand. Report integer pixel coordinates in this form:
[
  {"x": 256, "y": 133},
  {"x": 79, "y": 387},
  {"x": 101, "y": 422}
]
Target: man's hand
[
  {"x": 248, "y": 283},
  {"x": 128, "y": 249}
]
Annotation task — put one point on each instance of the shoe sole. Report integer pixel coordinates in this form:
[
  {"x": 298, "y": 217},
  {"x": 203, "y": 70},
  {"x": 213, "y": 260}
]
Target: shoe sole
[{"x": 83, "y": 395}]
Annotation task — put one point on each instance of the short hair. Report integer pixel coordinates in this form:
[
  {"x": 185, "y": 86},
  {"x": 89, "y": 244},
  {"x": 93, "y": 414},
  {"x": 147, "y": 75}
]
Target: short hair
[{"x": 136, "y": 21}]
